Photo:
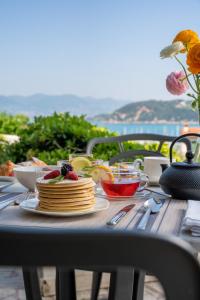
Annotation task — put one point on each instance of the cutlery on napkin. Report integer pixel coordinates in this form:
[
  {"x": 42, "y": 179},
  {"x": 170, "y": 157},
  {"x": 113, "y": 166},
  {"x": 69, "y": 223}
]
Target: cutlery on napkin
[
  {"x": 14, "y": 198},
  {"x": 7, "y": 199},
  {"x": 191, "y": 220}
]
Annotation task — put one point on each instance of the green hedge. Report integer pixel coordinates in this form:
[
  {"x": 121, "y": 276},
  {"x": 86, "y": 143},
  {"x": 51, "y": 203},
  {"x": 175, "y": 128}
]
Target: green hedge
[
  {"x": 10, "y": 124},
  {"x": 52, "y": 138},
  {"x": 48, "y": 137}
]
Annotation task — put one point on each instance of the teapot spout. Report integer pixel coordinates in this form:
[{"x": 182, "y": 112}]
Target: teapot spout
[{"x": 164, "y": 167}]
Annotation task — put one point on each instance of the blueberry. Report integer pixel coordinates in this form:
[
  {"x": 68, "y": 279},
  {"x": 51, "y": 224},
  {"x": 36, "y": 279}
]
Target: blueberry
[{"x": 65, "y": 169}]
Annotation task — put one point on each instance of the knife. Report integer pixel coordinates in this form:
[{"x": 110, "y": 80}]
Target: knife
[{"x": 120, "y": 214}]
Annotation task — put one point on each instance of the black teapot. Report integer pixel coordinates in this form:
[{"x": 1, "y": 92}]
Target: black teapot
[{"x": 181, "y": 180}]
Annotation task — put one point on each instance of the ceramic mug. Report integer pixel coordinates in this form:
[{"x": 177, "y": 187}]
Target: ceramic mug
[{"x": 152, "y": 167}]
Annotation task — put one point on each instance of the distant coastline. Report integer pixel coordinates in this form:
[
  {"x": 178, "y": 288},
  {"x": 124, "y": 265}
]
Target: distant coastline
[{"x": 152, "y": 112}]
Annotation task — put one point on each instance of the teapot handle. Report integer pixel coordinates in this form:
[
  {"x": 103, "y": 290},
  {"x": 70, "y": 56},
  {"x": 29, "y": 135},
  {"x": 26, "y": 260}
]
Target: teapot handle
[{"x": 177, "y": 139}]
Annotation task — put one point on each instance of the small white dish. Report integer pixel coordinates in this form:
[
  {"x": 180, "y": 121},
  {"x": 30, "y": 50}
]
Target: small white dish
[
  {"x": 27, "y": 175},
  {"x": 30, "y": 205}
]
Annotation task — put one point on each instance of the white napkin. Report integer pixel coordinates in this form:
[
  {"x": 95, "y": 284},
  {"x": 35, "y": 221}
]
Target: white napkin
[{"x": 191, "y": 220}]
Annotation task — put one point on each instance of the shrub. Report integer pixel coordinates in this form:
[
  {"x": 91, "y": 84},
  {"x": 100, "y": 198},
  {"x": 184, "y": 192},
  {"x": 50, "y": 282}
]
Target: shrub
[
  {"x": 10, "y": 124},
  {"x": 52, "y": 138}
]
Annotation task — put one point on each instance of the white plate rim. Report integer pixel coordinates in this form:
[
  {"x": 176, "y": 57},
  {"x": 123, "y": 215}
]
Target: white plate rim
[
  {"x": 8, "y": 178},
  {"x": 23, "y": 205},
  {"x": 6, "y": 184}
]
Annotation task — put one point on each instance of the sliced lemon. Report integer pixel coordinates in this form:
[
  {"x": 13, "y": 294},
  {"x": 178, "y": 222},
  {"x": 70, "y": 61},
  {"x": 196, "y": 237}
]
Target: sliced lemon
[
  {"x": 101, "y": 173},
  {"x": 78, "y": 163}
]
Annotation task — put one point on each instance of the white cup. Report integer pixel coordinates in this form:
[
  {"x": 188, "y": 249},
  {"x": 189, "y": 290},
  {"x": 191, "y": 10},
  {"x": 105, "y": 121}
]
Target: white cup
[{"x": 152, "y": 167}]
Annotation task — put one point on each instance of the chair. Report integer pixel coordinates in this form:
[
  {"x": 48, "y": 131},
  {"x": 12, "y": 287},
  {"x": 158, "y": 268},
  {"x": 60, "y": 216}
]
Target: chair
[
  {"x": 31, "y": 283},
  {"x": 170, "y": 259},
  {"x": 124, "y": 155},
  {"x": 134, "y": 137}
]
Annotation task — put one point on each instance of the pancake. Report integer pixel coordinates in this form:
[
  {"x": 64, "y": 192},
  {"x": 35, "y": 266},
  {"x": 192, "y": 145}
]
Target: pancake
[
  {"x": 69, "y": 204},
  {"x": 66, "y": 183},
  {"x": 66, "y": 195},
  {"x": 66, "y": 200},
  {"x": 63, "y": 209},
  {"x": 76, "y": 193},
  {"x": 65, "y": 189}
]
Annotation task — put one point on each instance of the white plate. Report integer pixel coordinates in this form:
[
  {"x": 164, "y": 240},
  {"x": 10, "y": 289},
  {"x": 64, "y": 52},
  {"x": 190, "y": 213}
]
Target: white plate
[
  {"x": 7, "y": 178},
  {"x": 31, "y": 206}
]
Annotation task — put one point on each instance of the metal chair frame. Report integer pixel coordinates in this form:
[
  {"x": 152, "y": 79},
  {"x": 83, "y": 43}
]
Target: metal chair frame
[
  {"x": 119, "y": 140},
  {"x": 170, "y": 259}
]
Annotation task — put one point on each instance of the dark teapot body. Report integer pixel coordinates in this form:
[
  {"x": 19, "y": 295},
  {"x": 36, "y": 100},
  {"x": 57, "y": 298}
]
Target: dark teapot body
[
  {"x": 175, "y": 182},
  {"x": 181, "y": 180}
]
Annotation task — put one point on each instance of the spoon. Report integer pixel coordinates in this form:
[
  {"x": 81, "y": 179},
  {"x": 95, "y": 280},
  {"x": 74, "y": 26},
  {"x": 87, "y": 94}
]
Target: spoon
[{"x": 151, "y": 206}]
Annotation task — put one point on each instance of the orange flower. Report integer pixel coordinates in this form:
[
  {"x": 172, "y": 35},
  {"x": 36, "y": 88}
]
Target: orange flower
[
  {"x": 188, "y": 37},
  {"x": 193, "y": 59}
]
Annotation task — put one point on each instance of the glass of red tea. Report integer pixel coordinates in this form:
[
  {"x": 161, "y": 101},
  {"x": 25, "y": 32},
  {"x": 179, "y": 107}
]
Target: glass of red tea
[{"x": 123, "y": 183}]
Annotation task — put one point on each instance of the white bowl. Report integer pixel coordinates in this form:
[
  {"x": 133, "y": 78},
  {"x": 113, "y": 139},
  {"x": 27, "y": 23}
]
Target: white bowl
[{"x": 27, "y": 175}]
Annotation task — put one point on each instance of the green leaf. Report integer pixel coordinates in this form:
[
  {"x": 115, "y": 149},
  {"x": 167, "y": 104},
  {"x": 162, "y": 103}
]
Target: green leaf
[
  {"x": 194, "y": 104},
  {"x": 86, "y": 175},
  {"x": 57, "y": 179},
  {"x": 191, "y": 95},
  {"x": 88, "y": 168}
]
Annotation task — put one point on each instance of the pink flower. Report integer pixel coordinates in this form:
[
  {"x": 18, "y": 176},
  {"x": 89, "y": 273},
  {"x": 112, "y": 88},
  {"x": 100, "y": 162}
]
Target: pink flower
[{"x": 176, "y": 84}]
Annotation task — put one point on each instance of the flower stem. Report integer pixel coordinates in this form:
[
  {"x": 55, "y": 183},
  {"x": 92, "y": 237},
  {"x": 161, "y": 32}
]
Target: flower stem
[
  {"x": 198, "y": 99},
  {"x": 182, "y": 79},
  {"x": 198, "y": 82},
  {"x": 186, "y": 74}
]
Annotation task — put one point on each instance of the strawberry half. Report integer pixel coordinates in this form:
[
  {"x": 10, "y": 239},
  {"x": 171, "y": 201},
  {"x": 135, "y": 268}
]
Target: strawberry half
[
  {"x": 53, "y": 174},
  {"x": 71, "y": 175}
]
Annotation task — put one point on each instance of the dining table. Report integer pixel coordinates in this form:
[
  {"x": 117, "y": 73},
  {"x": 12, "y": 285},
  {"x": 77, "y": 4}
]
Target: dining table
[{"x": 168, "y": 221}]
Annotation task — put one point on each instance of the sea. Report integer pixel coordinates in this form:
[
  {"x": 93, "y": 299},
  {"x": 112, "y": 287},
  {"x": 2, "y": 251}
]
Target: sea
[{"x": 165, "y": 129}]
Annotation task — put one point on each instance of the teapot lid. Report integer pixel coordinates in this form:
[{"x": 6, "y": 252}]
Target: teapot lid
[
  {"x": 188, "y": 163},
  {"x": 185, "y": 164}
]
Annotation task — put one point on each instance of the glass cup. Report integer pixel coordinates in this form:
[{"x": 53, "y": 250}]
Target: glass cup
[
  {"x": 73, "y": 155},
  {"x": 133, "y": 166},
  {"x": 62, "y": 162},
  {"x": 123, "y": 183}
]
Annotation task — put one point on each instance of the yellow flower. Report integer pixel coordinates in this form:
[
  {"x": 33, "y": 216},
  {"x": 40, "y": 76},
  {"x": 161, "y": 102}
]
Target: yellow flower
[
  {"x": 193, "y": 59},
  {"x": 188, "y": 37}
]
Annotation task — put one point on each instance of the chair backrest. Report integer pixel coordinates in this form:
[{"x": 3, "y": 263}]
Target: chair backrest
[
  {"x": 134, "y": 137},
  {"x": 169, "y": 259}
]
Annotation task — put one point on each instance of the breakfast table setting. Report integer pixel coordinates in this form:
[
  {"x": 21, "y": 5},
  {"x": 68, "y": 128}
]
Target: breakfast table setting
[
  {"x": 147, "y": 206},
  {"x": 176, "y": 217},
  {"x": 128, "y": 196}
]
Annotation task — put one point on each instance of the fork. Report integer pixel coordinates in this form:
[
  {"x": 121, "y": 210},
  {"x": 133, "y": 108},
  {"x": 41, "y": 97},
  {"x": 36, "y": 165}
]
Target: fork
[
  {"x": 24, "y": 196},
  {"x": 16, "y": 200}
]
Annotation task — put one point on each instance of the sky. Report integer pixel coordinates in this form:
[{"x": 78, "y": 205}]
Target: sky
[{"x": 98, "y": 48}]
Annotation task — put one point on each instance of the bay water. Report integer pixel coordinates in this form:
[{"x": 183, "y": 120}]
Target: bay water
[{"x": 159, "y": 128}]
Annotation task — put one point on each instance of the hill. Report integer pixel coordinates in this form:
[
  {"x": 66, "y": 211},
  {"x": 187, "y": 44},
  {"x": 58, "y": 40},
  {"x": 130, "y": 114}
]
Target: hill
[
  {"x": 41, "y": 104},
  {"x": 152, "y": 111}
]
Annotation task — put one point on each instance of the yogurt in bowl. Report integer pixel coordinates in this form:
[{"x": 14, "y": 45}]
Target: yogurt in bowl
[{"x": 27, "y": 175}]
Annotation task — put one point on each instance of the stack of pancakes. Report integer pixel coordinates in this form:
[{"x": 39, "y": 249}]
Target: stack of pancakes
[{"x": 66, "y": 195}]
